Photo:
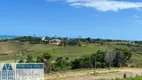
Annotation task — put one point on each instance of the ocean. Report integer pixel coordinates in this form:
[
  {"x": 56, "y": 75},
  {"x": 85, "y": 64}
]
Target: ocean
[{"x": 7, "y": 36}]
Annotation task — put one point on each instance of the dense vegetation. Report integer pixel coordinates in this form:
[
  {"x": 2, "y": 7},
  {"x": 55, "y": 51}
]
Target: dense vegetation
[
  {"x": 65, "y": 40},
  {"x": 116, "y": 58}
]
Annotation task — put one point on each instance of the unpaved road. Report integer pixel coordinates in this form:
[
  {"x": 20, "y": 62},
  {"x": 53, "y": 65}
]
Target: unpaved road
[{"x": 109, "y": 74}]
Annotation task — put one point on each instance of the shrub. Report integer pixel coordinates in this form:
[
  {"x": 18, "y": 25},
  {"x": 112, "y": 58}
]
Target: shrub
[
  {"x": 21, "y": 61},
  {"x": 30, "y": 59},
  {"x": 83, "y": 62},
  {"x": 60, "y": 65}
]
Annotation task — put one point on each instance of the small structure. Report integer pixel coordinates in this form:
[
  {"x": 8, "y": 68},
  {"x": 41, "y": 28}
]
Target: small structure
[
  {"x": 55, "y": 41},
  {"x": 44, "y": 39}
]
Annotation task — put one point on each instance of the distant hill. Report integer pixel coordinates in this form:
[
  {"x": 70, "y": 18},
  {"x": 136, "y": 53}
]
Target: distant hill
[{"x": 7, "y": 36}]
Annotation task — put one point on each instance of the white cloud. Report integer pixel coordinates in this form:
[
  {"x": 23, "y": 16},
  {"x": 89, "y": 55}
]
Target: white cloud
[{"x": 105, "y": 5}]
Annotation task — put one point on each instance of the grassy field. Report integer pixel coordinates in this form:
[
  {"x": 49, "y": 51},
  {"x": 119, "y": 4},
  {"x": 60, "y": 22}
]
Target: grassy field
[
  {"x": 24, "y": 49},
  {"x": 139, "y": 78},
  {"x": 21, "y": 50},
  {"x": 7, "y": 47}
]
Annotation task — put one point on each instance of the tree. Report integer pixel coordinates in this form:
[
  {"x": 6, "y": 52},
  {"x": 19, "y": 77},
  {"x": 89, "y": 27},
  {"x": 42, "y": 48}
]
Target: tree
[
  {"x": 30, "y": 59},
  {"x": 109, "y": 58},
  {"x": 119, "y": 59},
  {"x": 122, "y": 56},
  {"x": 30, "y": 39},
  {"x": 98, "y": 59},
  {"x": 46, "y": 59}
]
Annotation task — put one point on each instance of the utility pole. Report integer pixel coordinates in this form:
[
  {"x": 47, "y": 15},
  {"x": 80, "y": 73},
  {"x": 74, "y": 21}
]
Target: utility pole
[
  {"x": 109, "y": 60},
  {"x": 95, "y": 64},
  {"x": 15, "y": 57}
]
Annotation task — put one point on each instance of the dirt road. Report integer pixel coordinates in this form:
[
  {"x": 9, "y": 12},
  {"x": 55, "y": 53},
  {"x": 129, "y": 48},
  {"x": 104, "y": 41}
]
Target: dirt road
[{"x": 103, "y": 74}]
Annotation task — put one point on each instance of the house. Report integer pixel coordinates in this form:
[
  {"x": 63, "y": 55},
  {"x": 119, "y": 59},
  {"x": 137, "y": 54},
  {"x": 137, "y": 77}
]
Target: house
[
  {"x": 55, "y": 41},
  {"x": 51, "y": 41}
]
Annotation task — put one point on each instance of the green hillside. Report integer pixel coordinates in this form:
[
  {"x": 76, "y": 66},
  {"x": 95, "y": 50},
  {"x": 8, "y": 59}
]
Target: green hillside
[
  {"x": 72, "y": 48},
  {"x": 22, "y": 49}
]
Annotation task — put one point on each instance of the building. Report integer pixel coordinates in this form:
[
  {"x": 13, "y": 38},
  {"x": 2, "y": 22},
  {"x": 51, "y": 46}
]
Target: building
[
  {"x": 44, "y": 39},
  {"x": 55, "y": 41}
]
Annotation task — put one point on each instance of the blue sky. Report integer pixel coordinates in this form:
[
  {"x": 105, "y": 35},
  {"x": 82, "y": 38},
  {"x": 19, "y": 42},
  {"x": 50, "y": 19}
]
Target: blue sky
[{"x": 109, "y": 19}]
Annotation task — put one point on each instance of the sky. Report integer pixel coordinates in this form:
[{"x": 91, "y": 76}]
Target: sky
[{"x": 107, "y": 19}]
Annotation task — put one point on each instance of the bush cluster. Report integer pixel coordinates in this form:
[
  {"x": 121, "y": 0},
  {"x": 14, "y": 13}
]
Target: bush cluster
[{"x": 101, "y": 59}]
